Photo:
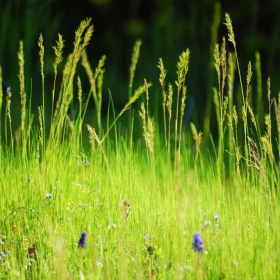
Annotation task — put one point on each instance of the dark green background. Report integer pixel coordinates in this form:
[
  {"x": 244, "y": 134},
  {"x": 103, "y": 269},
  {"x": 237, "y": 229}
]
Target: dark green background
[{"x": 166, "y": 28}]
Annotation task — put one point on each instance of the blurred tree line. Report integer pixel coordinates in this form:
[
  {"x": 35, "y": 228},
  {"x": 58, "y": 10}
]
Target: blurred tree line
[{"x": 166, "y": 28}]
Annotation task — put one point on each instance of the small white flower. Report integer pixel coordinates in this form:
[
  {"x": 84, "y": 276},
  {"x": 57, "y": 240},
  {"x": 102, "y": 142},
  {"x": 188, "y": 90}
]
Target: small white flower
[
  {"x": 207, "y": 224},
  {"x": 48, "y": 196},
  {"x": 99, "y": 263},
  {"x": 146, "y": 236}
]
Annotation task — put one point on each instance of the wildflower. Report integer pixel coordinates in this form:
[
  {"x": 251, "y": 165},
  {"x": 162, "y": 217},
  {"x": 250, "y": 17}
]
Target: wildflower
[
  {"x": 206, "y": 224},
  {"x": 197, "y": 243},
  {"x": 150, "y": 248},
  {"x": 147, "y": 237},
  {"x": 217, "y": 218},
  {"x": 82, "y": 241},
  {"x": 48, "y": 196},
  {"x": 2, "y": 255}
]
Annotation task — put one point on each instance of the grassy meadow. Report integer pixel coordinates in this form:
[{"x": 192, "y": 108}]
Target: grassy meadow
[{"x": 140, "y": 201}]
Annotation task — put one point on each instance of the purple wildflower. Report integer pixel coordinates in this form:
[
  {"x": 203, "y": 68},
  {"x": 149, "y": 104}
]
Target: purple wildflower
[
  {"x": 82, "y": 241},
  {"x": 197, "y": 243}
]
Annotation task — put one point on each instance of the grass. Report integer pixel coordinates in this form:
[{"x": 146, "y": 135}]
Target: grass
[{"x": 141, "y": 201}]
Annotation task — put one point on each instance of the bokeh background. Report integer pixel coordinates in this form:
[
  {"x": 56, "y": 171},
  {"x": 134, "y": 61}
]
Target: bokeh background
[{"x": 166, "y": 27}]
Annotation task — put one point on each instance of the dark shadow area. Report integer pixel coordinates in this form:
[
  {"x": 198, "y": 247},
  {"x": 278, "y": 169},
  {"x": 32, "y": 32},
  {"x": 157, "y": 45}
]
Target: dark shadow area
[{"x": 166, "y": 28}]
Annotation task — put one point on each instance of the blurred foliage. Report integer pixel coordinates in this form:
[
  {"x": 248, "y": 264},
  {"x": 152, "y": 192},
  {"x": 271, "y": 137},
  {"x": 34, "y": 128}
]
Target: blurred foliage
[{"x": 166, "y": 28}]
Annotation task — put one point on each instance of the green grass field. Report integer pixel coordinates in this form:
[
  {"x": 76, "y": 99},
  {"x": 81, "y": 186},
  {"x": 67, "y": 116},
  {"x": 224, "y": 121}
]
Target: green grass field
[{"x": 140, "y": 201}]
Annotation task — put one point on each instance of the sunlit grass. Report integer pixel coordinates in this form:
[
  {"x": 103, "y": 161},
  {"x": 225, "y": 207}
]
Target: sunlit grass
[{"x": 139, "y": 202}]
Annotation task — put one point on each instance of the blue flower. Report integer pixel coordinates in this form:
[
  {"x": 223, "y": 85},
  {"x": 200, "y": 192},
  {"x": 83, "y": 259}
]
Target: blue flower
[
  {"x": 4, "y": 88},
  {"x": 82, "y": 241},
  {"x": 197, "y": 243}
]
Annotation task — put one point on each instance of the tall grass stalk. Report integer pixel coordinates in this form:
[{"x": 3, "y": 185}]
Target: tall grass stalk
[
  {"x": 66, "y": 91},
  {"x": 42, "y": 111},
  {"x": 23, "y": 103},
  {"x": 162, "y": 77},
  {"x": 134, "y": 60},
  {"x": 169, "y": 103},
  {"x": 96, "y": 80},
  {"x": 136, "y": 95},
  {"x": 220, "y": 100},
  {"x": 148, "y": 125},
  {"x": 214, "y": 39},
  {"x": 8, "y": 114},
  {"x": 230, "y": 84},
  {"x": 231, "y": 38},
  {"x": 182, "y": 70},
  {"x": 58, "y": 50},
  {"x": 259, "y": 99}
]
